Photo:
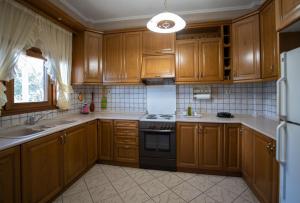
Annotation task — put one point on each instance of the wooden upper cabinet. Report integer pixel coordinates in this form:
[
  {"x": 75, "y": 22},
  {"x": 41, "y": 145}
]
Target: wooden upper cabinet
[
  {"x": 187, "y": 61},
  {"x": 92, "y": 142},
  {"x": 269, "y": 51},
  {"x": 211, "y": 146},
  {"x": 232, "y": 147},
  {"x": 246, "y": 49},
  {"x": 75, "y": 152},
  {"x": 132, "y": 44},
  {"x": 247, "y": 154},
  {"x": 158, "y": 66},
  {"x": 155, "y": 43},
  {"x": 113, "y": 58},
  {"x": 105, "y": 139},
  {"x": 211, "y": 59},
  {"x": 287, "y": 12},
  {"x": 10, "y": 175},
  {"x": 42, "y": 168},
  {"x": 87, "y": 58},
  {"x": 187, "y": 145}
]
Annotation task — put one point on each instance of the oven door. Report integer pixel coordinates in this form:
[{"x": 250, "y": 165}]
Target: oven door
[{"x": 158, "y": 143}]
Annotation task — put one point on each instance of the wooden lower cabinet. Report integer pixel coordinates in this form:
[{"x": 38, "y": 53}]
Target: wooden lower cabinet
[
  {"x": 92, "y": 142},
  {"x": 126, "y": 153},
  {"x": 42, "y": 168},
  {"x": 105, "y": 140},
  {"x": 232, "y": 147},
  {"x": 247, "y": 154},
  {"x": 75, "y": 152},
  {"x": 10, "y": 175}
]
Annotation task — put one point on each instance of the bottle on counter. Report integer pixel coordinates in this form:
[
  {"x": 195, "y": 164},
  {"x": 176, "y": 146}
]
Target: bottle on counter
[{"x": 189, "y": 111}]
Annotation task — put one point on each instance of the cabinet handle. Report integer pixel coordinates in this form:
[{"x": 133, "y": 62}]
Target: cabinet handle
[
  {"x": 268, "y": 147},
  {"x": 65, "y": 135},
  {"x": 61, "y": 139}
]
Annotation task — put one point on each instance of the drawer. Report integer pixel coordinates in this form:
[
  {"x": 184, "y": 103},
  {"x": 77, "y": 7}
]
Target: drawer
[
  {"x": 126, "y": 140},
  {"x": 126, "y": 124},
  {"x": 126, "y": 132},
  {"x": 126, "y": 153}
]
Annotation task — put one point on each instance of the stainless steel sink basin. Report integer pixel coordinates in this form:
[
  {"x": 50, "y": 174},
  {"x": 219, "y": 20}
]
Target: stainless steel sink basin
[{"x": 20, "y": 133}]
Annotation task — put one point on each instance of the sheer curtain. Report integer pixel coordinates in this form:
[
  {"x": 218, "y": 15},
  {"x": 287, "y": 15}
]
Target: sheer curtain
[
  {"x": 20, "y": 29},
  {"x": 16, "y": 31}
]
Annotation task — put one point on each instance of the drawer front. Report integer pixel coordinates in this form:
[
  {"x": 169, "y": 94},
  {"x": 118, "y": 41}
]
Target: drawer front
[
  {"x": 126, "y": 140},
  {"x": 126, "y": 124},
  {"x": 126, "y": 153},
  {"x": 126, "y": 132}
]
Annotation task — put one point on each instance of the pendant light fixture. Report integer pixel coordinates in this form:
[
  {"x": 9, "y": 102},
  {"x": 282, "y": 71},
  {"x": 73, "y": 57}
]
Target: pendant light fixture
[{"x": 166, "y": 22}]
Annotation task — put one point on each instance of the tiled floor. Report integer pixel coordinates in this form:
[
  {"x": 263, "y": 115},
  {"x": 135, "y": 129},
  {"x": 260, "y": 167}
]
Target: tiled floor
[{"x": 105, "y": 183}]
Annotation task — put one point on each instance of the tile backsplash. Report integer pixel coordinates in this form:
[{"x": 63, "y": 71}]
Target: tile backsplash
[{"x": 253, "y": 98}]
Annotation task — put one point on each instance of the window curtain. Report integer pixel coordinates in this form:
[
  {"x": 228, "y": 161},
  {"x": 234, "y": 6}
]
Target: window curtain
[
  {"x": 16, "y": 31},
  {"x": 20, "y": 29}
]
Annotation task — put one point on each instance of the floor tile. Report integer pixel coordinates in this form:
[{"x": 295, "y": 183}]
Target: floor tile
[
  {"x": 234, "y": 184},
  {"x": 221, "y": 194},
  {"x": 82, "y": 197},
  {"x": 185, "y": 176},
  {"x": 77, "y": 187},
  {"x": 114, "y": 199},
  {"x": 158, "y": 173},
  {"x": 95, "y": 170},
  {"x": 170, "y": 180},
  {"x": 97, "y": 180},
  {"x": 102, "y": 192},
  {"x": 115, "y": 173},
  {"x": 201, "y": 182},
  {"x": 153, "y": 188},
  {"x": 203, "y": 198},
  {"x": 168, "y": 197},
  {"x": 248, "y": 195},
  {"x": 142, "y": 177},
  {"x": 134, "y": 195},
  {"x": 241, "y": 200},
  {"x": 186, "y": 191},
  {"x": 130, "y": 170},
  {"x": 124, "y": 184}
]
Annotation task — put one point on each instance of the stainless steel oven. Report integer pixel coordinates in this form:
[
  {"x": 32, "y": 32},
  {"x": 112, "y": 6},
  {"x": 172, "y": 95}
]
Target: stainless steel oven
[{"x": 158, "y": 145}]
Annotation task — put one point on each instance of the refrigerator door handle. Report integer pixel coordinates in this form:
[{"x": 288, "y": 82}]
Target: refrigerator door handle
[
  {"x": 281, "y": 80},
  {"x": 280, "y": 145}
]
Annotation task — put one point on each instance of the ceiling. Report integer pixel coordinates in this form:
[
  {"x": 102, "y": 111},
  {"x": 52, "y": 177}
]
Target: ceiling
[{"x": 119, "y": 14}]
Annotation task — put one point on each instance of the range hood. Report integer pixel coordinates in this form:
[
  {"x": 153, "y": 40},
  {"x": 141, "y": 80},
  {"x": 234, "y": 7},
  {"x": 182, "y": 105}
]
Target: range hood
[{"x": 158, "y": 81}]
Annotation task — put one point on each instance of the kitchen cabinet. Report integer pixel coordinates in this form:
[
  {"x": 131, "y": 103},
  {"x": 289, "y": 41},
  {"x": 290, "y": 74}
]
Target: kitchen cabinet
[
  {"x": 122, "y": 57},
  {"x": 232, "y": 147},
  {"x": 187, "y": 145},
  {"x": 158, "y": 66},
  {"x": 10, "y": 175},
  {"x": 187, "y": 61},
  {"x": 269, "y": 51},
  {"x": 211, "y": 59},
  {"x": 87, "y": 58},
  {"x": 92, "y": 142},
  {"x": 105, "y": 140},
  {"x": 42, "y": 168},
  {"x": 211, "y": 146},
  {"x": 246, "y": 49},
  {"x": 75, "y": 152},
  {"x": 155, "y": 43},
  {"x": 287, "y": 12},
  {"x": 126, "y": 148},
  {"x": 247, "y": 154}
]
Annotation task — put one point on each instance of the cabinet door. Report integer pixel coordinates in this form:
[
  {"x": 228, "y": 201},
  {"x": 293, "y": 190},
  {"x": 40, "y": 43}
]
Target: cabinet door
[
  {"x": 126, "y": 153},
  {"x": 232, "y": 147},
  {"x": 287, "y": 12},
  {"x": 211, "y": 59},
  {"x": 269, "y": 54},
  {"x": 105, "y": 140},
  {"x": 158, "y": 66},
  {"x": 42, "y": 168},
  {"x": 93, "y": 57},
  {"x": 10, "y": 175},
  {"x": 263, "y": 167},
  {"x": 246, "y": 51},
  {"x": 187, "y": 64},
  {"x": 211, "y": 146},
  {"x": 132, "y": 44},
  {"x": 247, "y": 154},
  {"x": 155, "y": 43},
  {"x": 92, "y": 142},
  {"x": 113, "y": 58},
  {"x": 275, "y": 176},
  {"x": 75, "y": 152},
  {"x": 187, "y": 145}
]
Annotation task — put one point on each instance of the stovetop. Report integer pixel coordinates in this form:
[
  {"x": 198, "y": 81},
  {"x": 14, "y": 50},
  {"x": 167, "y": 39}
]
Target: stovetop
[{"x": 158, "y": 117}]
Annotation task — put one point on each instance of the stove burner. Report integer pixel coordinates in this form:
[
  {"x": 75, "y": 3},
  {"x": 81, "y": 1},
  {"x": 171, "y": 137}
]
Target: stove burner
[
  {"x": 151, "y": 116},
  {"x": 166, "y": 116}
]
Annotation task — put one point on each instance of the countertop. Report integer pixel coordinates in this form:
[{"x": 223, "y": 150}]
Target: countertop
[{"x": 262, "y": 125}]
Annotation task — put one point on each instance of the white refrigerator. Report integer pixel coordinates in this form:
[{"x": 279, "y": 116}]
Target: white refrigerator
[{"x": 288, "y": 131}]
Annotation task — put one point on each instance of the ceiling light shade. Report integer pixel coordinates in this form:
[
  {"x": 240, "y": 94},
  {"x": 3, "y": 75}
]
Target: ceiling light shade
[{"x": 166, "y": 22}]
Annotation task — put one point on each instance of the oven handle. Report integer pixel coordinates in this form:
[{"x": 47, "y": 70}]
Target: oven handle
[{"x": 159, "y": 131}]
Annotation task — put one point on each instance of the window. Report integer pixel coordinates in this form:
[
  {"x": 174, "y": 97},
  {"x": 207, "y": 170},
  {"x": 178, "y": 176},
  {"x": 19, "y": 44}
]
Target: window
[{"x": 31, "y": 90}]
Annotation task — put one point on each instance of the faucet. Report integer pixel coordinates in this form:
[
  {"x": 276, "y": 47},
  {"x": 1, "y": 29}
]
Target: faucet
[{"x": 32, "y": 120}]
